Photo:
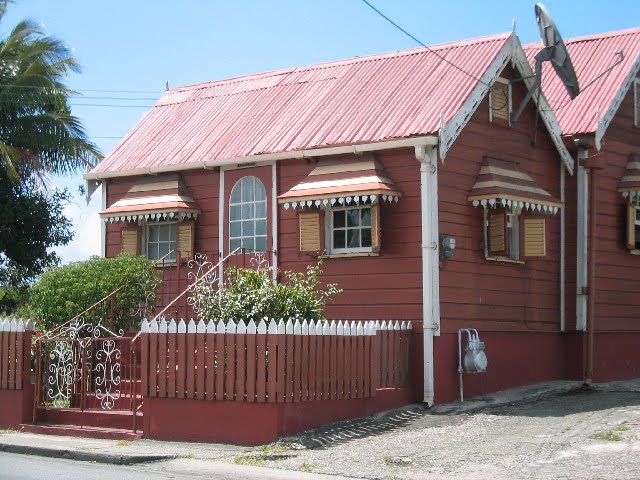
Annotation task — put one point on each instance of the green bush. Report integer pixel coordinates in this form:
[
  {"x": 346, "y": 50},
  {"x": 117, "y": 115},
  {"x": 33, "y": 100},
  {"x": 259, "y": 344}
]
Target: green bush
[
  {"x": 251, "y": 295},
  {"x": 64, "y": 292}
]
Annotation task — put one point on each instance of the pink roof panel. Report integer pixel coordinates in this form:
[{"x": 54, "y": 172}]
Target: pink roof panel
[
  {"x": 360, "y": 100},
  {"x": 591, "y": 56}
]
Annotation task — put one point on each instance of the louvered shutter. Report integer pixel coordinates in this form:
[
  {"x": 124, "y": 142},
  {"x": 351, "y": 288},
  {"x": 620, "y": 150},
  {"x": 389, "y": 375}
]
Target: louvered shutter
[
  {"x": 130, "y": 240},
  {"x": 631, "y": 227},
  {"x": 498, "y": 232},
  {"x": 309, "y": 231},
  {"x": 185, "y": 240},
  {"x": 534, "y": 237},
  {"x": 499, "y": 102},
  {"x": 375, "y": 227}
]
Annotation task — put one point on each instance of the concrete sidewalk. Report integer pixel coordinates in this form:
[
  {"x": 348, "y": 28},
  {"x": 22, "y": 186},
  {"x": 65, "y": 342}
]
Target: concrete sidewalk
[{"x": 128, "y": 453}]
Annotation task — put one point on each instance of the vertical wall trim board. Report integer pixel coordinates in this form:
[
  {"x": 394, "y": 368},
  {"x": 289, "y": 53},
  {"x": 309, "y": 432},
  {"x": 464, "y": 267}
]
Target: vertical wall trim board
[
  {"x": 221, "y": 220},
  {"x": 562, "y": 248},
  {"x": 581, "y": 243},
  {"x": 103, "y": 223},
  {"x": 274, "y": 221}
]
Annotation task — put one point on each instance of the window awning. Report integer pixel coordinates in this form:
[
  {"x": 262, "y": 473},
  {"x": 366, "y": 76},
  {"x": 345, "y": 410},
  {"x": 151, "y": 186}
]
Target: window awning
[
  {"x": 163, "y": 197},
  {"x": 336, "y": 181},
  {"x": 503, "y": 183},
  {"x": 629, "y": 185}
]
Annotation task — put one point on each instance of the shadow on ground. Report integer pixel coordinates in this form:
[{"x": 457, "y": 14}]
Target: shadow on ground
[{"x": 343, "y": 432}]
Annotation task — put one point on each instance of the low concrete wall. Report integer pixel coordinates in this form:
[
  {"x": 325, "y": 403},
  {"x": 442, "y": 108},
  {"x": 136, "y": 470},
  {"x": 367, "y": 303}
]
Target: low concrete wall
[
  {"x": 16, "y": 406},
  {"x": 245, "y": 423}
]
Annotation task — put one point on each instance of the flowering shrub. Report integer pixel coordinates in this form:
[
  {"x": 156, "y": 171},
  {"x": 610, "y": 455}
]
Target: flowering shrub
[{"x": 251, "y": 294}]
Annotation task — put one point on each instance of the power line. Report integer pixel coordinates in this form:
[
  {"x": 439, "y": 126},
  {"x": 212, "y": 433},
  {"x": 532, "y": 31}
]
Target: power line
[
  {"x": 128, "y": 99},
  {"x": 84, "y": 89},
  {"x": 114, "y": 105},
  {"x": 366, "y": 2}
]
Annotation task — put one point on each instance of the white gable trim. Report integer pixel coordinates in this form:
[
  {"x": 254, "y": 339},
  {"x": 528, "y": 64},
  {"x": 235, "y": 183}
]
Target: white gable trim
[
  {"x": 513, "y": 52},
  {"x": 605, "y": 121}
]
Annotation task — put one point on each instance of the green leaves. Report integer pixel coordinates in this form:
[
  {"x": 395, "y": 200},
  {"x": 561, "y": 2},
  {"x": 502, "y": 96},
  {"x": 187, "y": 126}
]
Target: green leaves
[
  {"x": 251, "y": 294},
  {"x": 38, "y": 134},
  {"x": 64, "y": 292}
]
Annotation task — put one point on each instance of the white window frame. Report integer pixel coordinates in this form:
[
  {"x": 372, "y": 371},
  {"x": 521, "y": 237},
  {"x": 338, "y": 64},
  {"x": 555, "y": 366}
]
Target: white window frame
[
  {"x": 255, "y": 219},
  {"x": 171, "y": 258},
  {"x": 330, "y": 228},
  {"x": 506, "y": 82}
]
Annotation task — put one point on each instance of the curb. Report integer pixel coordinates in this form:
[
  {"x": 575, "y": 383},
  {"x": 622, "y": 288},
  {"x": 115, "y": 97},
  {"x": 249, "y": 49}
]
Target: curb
[{"x": 113, "y": 459}]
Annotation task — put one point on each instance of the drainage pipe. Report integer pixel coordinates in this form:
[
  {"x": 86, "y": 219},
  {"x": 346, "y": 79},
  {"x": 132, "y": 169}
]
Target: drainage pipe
[
  {"x": 592, "y": 164},
  {"x": 430, "y": 281}
]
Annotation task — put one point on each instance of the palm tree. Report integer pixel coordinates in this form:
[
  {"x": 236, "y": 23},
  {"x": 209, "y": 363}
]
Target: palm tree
[{"x": 38, "y": 134}]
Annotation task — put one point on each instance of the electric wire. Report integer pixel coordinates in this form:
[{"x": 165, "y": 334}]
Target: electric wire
[{"x": 366, "y": 2}]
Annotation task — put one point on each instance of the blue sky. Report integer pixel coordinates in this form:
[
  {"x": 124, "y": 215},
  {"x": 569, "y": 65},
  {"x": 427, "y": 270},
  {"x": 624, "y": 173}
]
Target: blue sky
[{"x": 129, "y": 49}]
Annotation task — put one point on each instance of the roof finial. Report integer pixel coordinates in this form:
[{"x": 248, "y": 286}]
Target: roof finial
[
  {"x": 166, "y": 86},
  {"x": 513, "y": 25}
]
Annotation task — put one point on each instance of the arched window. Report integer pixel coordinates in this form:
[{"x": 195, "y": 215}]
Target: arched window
[{"x": 248, "y": 215}]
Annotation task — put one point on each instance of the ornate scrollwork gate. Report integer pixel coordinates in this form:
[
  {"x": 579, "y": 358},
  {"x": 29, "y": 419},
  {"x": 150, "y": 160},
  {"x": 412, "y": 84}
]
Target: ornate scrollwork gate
[{"x": 85, "y": 366}]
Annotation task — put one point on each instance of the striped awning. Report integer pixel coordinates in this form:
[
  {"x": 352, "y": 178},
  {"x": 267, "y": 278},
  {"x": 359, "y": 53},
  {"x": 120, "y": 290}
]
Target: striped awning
[
  {"x": 629, "y": 185},
  {"x": 163, "y": 197},
  {"x": 504, "y": 183},
  {"x": 342, "y": 182}
]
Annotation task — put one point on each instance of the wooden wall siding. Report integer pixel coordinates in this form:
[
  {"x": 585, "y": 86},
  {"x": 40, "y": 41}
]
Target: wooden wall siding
[
  {"x": 203, "y": 186},
  {"x": 482, "y": 294},
  {"x": 15, "y": 353},
  {"x": 278, "y": 363},
  {"x": 618, "y": 272},
  {"x": 384, "y": 286}
]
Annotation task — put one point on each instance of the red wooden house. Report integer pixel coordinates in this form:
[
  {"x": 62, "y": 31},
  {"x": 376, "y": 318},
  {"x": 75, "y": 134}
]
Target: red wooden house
[
  {"x": 601, "y": 129},
  {"x": 402, "y": 171}
]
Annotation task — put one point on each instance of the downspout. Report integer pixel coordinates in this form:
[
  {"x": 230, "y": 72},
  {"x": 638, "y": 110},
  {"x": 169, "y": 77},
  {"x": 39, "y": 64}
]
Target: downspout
[
  {"x": 592, "y": 164},
  {"x": 429, "y": 233}
]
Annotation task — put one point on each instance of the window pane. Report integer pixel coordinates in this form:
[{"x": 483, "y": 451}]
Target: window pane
[
  {"x": 163, "y": 249},
  {"x": 235, "y": 193},
  {"x": 261, "y": 227},
  {"x": 260, "y": 192},
  {"x": 248, "y": 211},
  {"x": 247, "y": 229},
  {"x": 247, "y": 189},
  {"x": 234, "y": 212},
  {"x": 261, "y": 244},
  {"x": 365, "y": 216},
  {"x": 353, "y": 218},
  {"x": 247, "y": 242},
  {"x": 353, "y": 238},
  {"x": 164, "y": 233},
  {"x": 233, "y": 244},
  {"x": 153, "y": 233},
  {"x": 338, "y": 239},
  {"x": 235, "y": 229},
  {"x": 366, "y": 237},
  {"x": 338, "y": 219},
  {"x": 261, "y": 210},
  {"x": 152, "y": 251}
]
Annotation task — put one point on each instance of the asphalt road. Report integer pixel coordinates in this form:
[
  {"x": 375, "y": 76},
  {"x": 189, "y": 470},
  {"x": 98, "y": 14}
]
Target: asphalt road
[{"x": 29, "y": 467}]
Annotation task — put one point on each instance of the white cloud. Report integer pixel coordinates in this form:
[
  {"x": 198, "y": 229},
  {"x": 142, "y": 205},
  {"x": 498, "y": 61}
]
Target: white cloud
[{"x": 86, "y": 223}]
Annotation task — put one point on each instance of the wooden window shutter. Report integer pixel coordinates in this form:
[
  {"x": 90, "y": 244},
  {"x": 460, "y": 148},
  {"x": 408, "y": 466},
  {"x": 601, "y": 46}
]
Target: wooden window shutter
[
  {"x": 185, "y": 240},
  {"x": 499, "y": 102},
  {"x": 535, "y": 244},
  {"x": 498, "y": 232},
  {"x": 130, "y": 240},
  {"x": 631, "y": 227},
  {"x": 309, "y": 231},
  {"x": 375, "y": 227}
]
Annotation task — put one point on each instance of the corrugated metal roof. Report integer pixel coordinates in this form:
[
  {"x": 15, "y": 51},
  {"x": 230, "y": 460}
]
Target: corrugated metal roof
[
  {"x": 591, "y": 55},
  {"x": 355, "y": 101}
]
